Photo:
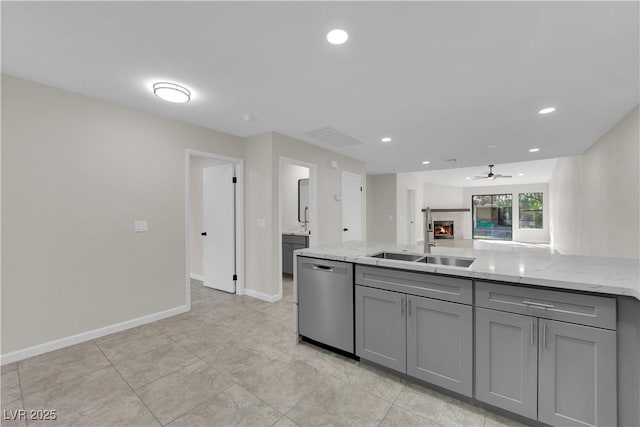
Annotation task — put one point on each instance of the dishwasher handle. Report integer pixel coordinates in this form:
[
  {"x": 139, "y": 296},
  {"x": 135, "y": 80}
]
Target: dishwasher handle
[{"x": 322, "y": 268}]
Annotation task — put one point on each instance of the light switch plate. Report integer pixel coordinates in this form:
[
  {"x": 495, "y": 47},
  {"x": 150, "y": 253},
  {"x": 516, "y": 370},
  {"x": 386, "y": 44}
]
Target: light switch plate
[{"x": 140, "y": 226}]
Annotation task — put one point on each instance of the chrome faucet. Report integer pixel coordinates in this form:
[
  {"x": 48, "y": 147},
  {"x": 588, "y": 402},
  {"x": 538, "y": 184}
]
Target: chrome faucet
[{"x": 428, "y": 227}]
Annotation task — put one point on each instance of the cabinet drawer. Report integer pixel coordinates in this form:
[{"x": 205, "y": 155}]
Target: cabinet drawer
[
  {"x": 421, "y": 284},
  {"x": 568, "y": 307},
  {"x": 296, "y": 240}
]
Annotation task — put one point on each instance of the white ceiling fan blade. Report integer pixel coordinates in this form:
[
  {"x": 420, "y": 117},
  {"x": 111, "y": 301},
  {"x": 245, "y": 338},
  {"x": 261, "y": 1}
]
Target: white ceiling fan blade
[{"x": 502, "y": 176}]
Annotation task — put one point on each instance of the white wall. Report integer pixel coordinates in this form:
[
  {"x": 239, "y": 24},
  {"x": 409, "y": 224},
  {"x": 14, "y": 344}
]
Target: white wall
[
  {"x": 289, "y": 176},
  {"x": 381, "y": 211},
  {"x": 438, "y": 196},
  {"x": 262, "y": 161},
  {"x": 259, "y": 218},
  {"x": 197, "y": 164},
  {"x": 519, "y": 235},
  {"x": 329, "y": 221},
  {"x": 76, "y": 173},
  {"x": 595, "y": 197}
]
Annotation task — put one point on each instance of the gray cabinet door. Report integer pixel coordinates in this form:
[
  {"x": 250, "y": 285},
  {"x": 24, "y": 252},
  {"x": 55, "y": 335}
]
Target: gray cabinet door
[
  {"x": 440, "y": 343},
  {"x": 507, "y": 361},
  {"x": 287, "y": 259},
  {"x": 577, "y": 375},
  {"x": 381, "y": 327}
]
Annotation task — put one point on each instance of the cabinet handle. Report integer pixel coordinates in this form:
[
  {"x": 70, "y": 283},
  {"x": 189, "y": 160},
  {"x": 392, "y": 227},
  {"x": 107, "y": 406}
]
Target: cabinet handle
[
  {"x": 544, "y": 335},
  {"x": 409, "y": 306},
  {"x": 402, "y": 305},
  {"x": 537, "y": 304},
  {"x": 531, "y": 332}
]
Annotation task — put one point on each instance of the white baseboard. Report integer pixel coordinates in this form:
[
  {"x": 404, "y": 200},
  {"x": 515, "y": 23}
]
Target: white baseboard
[
  {"x": 36, "y": 350},
  {"x": 263, "y": 296},
  {"x": 197, "y": 277}
]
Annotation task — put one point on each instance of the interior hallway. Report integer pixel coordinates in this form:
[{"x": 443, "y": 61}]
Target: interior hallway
[{"x": 232, "y": 360}]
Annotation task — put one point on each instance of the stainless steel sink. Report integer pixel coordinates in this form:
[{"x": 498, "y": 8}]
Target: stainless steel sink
[
  {"x": 429, "y": 259},
  {"x": 448, "y": 260},
  {"x": 397, "y": 256}
]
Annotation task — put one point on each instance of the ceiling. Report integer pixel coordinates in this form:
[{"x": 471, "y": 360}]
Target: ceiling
[
  {"x": 442, "y": 79},
  {"x": 535, "y": 171}
]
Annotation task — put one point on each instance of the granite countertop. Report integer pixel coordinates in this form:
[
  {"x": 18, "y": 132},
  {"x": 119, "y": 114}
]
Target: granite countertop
[{"x": 615, "y": 276}]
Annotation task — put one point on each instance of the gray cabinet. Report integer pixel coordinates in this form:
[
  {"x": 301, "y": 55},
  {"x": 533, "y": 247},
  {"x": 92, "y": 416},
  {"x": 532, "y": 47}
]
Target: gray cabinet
[
  {"x": 290, "y": 243},
  {"x": 534, "y": 361},
  {"x": 381, "y": 327},
  {"x": 577, "y": 375},
  {"x": 426, "y": 338},
  {"x": 507, "y": 361},
  {"x": 440, "y": 343}
]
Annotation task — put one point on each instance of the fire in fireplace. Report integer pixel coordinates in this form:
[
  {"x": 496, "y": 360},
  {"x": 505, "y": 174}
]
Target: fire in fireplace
[{"x": 443, "y": 229}]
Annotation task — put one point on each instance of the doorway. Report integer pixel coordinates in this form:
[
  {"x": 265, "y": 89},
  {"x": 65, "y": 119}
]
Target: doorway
[
  {"x": 297, "y": 208},
  {"x": 214, "y": 222},
  {"x": 351, "y": 198},
  {"x": 492, "y": 216}
]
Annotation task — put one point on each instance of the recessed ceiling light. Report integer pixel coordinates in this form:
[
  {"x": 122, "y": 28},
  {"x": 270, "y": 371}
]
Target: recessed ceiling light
[
  {"x": 534, "y": 150},
  {"x": 547, "y": 110},
  {"x": 247, "y": 117},
  {"x": 491, "y": 146},
  {"x": 386, "y": 139},
  {"x": 337, "y": 36},
  {"x": 468, "y": 178},
  {"x": 520, "y": 174},
  {"x": 171, "y": 92},
  {"x": 426, "y": 162}
]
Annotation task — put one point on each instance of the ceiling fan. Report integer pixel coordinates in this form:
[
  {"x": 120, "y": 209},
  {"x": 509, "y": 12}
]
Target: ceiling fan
[{"x": 491, "y": 175}]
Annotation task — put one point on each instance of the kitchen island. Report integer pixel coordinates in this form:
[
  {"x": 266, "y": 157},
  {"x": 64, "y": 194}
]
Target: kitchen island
[{"x": 551, "y": 338}]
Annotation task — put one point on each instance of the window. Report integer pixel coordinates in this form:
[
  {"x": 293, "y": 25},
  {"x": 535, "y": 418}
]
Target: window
[
  {"x": 491, "y": 216},
  {"x": 530, "y": 205}
]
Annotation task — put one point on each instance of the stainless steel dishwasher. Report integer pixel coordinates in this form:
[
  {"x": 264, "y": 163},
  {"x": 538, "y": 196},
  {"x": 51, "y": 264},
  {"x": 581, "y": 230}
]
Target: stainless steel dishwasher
[{"x": 325, "y": 302}]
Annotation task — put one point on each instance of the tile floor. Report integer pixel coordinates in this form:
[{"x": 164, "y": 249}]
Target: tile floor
[{"x": 232, "y": 360}]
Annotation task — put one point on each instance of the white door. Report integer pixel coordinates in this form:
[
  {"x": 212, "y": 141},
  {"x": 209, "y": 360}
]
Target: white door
[
  {"x": 411, "y": 216},
  {"x": 351, "y": 207},
  {"x": 218, "y": 252}
]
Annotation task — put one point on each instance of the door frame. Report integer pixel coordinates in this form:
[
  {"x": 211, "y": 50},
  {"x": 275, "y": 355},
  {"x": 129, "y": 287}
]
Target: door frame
[
  {"x": 412, "y": 231},
  {"x": 239, "y": 217},
  {"x": 313, "y": 208},
  {"x": 363, "y": 225}
]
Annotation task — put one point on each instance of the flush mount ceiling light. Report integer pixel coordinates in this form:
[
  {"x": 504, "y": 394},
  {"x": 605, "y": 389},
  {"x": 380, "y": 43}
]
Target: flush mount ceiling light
[
  {"x": 386, "y": 139},
  {"x": 547, "y": 110},
  {"x": 491, "y": 146},
  {"x": 171, "y": 92},
  {"x": 337, "y": 36},
  {"x": 426, "y": 162},
  {"x": 534, "y": 150}
]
